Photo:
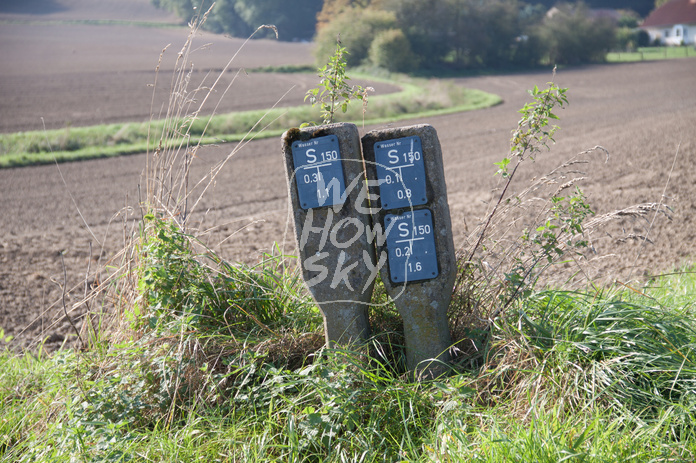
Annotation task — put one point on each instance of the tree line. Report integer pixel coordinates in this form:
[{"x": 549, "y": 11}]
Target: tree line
[
  {"x": 405, "y": 35},
  {"x": 295, "y": 20}
]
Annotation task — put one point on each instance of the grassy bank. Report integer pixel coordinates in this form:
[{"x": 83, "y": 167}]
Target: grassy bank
[
  {"x": 221, "y": 362},
  {"x": 652, "y": 54},
  {"x": 417, "y": 98}
]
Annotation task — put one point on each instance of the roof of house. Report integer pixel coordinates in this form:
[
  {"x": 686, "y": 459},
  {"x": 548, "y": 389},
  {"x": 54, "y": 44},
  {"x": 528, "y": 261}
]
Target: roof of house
[{"x": 672, "y": 12}]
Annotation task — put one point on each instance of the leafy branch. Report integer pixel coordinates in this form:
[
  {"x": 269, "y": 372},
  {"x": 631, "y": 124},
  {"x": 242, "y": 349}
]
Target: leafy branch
[
  {"x": 532, "y": 133},
  {"x": 556, "y": 230},
  {"x": 333, "y": 91}
]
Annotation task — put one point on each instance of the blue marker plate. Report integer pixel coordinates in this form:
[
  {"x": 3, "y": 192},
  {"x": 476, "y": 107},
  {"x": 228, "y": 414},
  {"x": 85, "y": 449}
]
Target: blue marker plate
[
  {"x": 401, "y": 172},
  {"x": 319, "y": 172},
  {"x": 411, "y": 246}
]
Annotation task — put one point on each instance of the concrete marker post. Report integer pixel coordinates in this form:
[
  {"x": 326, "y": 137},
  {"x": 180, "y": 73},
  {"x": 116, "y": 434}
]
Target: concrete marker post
[
  {"x": 326, "y": 183},
  {"x": 406, "y": 181}
]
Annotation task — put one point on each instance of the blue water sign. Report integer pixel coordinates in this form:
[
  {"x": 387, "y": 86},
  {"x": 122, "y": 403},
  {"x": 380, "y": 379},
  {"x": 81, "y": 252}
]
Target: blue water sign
[
  {"x": 319, "y": 172},
  {"x": 401, "y": 172},
  {"x": 411, "y": 246}
]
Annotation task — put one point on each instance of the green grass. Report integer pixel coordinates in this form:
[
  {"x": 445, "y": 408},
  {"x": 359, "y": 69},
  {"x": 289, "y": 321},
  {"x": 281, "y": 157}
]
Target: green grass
[
  {"x": 652, "y": 53},
  {"x": 220, "y": 362},
  {"x": 417, "y": 98}
]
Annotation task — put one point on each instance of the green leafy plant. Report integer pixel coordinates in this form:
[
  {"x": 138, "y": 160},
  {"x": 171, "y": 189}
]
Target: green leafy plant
[
  {"x": 333, "y": 91},
  {"x": 533, "y": 131},
  {"x": 200, "y": 291},
  {"x": 4, "y": 338},
  {"x": 562, "y": 230},
  {"x": 524, "y": 233}
]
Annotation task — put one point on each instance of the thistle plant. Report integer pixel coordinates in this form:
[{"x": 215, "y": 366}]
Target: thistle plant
[{"x": 333, "y": 91}]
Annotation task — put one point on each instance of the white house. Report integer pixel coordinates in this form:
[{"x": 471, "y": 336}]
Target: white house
[{"x": 674, "y": 23}]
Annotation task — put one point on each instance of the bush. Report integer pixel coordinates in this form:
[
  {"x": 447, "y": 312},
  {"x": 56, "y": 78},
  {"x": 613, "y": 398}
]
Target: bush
[
  {"x": 391, "y": 50},
  {"x": 294, "y": 20},
  {"x": 575, "y": 38},
  {"x": 626, "y": 39},
  {"x": 643, "y": 38},
  {"x": 528, "y": 49},
  {"x": 356, "y": 28},
  {"x": 428, "y": 26}
]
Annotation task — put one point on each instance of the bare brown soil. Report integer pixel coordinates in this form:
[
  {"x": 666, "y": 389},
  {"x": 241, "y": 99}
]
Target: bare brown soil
[
  {"x": 644, "y": 114},
  {"x": 64, "y": 75}
]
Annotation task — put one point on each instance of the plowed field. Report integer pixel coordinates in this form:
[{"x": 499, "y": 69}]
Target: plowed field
[{"x": 644, "y": 114}]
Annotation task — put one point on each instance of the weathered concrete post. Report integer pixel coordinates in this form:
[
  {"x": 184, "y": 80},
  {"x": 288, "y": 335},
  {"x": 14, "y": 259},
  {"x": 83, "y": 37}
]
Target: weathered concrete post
[
  {"x": 326, "y": 181},
  {"x": 409, "y": 200}
]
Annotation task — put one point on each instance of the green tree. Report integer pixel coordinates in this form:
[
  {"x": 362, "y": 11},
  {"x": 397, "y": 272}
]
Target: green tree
[
  {"x": 643, "y": 38},
  {"x": 628, "y": 19},
  {"x": 391, "y": 50},
  {"x": 427, "y": 25},
  {"x": 460, "y": 33},
  {"x": 529, "y": 48},
  {"x": 626, "y": 39},
  {"x": 574, "y": 37},
  {"x": 224, "y": 19},
  {"x": 294, "y": 20},
  {"x": 333, "y": 8},
  {"x": 357, "y": 28},
  {"x": 495, "y": 26},
  {"x": 183, "y": 8}
]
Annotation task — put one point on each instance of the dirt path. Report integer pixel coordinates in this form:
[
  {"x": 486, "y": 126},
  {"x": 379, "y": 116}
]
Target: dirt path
[{"x": 644, "y": 114}]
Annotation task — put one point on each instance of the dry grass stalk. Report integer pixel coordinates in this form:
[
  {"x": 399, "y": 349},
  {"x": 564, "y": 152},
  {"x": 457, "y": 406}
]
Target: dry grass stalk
[
  {"x": 167, "y": 193},
  {"x": 484, "y": 289}
]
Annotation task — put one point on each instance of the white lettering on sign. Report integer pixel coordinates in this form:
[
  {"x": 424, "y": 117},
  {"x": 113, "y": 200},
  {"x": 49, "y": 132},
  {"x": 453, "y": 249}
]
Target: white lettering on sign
[
  {"x": 393, "y": 156},
  {"x": 318, "y": 170},
  {"x": 311, "y": 158},
  {"x": 306, "y": 144},
  {"x": 401, "y": 172},
  {"x": 412, "y": 252},
  {"x": 405, "y": 257},
  {"x": 324, "y": 156},
  {"x": 403, "y": 229}
]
